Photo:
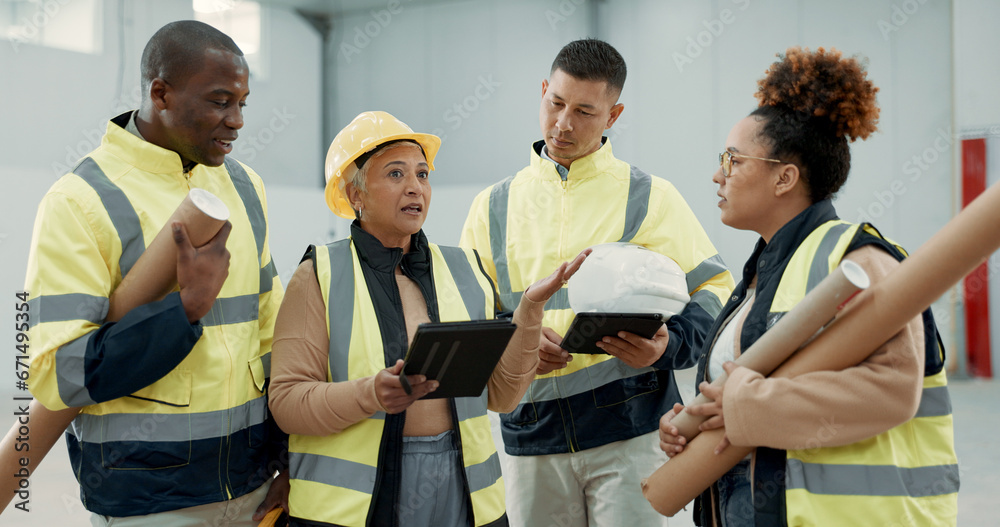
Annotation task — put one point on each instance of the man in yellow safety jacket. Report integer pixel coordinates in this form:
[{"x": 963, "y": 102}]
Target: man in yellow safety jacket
[
  {"x": 174, "y": 426},
  {"x": 585, "y": 433}
]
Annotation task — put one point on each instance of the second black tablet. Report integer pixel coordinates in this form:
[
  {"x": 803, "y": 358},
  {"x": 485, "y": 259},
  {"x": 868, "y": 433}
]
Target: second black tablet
[{"x": 589, "y": 328}]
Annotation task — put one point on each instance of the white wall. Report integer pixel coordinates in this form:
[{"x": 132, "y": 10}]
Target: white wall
[
  {"x": 693, "y": 68},
  {"x": 470, "y": 72},
  {"x": 977, "y": 74},
  {"x": 56, "y": 105}
]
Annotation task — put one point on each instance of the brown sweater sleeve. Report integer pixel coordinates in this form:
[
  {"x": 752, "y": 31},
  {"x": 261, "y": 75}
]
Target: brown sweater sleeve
[
  {"x": 516, "y": 369},
  {"x": 301, "y": 399},
  {"x": 831, "y": 408}
]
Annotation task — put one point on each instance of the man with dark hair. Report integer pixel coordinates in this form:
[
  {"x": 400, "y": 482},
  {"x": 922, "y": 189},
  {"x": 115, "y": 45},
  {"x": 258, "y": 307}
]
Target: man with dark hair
[
  {"x": 585, "y": 434},
  {"x": 173, "y": 428}
]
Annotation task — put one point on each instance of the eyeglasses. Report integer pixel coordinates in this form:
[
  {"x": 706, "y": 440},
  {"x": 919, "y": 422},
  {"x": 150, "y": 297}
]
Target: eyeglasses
[{"x": 726, "y": 160}]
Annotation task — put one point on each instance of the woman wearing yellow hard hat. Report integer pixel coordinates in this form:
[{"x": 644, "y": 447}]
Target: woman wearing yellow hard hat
[{"x": 362, "y": 449}]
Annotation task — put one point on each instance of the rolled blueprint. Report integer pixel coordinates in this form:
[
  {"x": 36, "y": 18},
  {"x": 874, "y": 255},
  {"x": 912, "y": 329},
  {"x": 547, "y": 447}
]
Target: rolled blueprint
[
  {"x": 880, "y": 312},
  {"x": 155, "y": 272},
  {"x": 789, "y": 334}
]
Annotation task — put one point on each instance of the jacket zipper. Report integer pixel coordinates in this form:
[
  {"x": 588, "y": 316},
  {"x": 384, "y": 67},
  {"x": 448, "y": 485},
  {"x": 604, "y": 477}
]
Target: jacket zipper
[{"x": 568, "y": 427}]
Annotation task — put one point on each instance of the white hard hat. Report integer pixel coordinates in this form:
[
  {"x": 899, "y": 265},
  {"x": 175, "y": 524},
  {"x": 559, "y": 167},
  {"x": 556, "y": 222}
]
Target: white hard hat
[{"x": 627, "y": 278}]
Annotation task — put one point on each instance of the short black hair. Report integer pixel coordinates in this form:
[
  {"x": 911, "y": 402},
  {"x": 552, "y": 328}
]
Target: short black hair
[
  {"x": 592, "y": 60},
  {"x": 176, "y": 51}
]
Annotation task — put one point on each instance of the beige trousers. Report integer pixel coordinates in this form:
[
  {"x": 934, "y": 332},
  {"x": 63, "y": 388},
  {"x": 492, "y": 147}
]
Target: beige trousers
[
  {"x": 231, "y": 513},
  {"x": 598, "y": 487}
]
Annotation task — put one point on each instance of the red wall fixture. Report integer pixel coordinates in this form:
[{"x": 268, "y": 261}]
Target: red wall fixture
[{"x": 976, "y": 291}]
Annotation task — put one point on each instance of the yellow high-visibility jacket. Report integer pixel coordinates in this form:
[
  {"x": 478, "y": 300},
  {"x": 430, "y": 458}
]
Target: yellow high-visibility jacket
[
  {"x": 526, "y": 225},
  {"x": 174, "y": 414}
]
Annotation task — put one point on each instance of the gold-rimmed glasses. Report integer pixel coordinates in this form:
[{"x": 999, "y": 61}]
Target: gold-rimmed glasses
[{"x": 726, "y": 160}]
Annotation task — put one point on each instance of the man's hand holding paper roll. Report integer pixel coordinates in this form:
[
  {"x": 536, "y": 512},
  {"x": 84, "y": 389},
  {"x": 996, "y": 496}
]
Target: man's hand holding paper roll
[{"x": 201, "y": 271}]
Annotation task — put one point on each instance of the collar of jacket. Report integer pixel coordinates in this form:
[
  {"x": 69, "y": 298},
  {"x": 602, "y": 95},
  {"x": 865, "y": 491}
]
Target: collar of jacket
[
  {"x": 768, "y": 263},
  {"x": 385, "y": 259},
  {"x": 595, "y": 164},
  {"x": 139, "y": 153}
]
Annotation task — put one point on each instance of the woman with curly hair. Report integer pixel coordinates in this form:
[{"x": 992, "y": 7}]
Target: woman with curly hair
[{"x": 868, "y": 445}]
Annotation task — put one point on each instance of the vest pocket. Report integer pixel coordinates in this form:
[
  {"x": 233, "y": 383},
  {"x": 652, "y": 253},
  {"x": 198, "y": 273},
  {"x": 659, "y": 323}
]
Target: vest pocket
[
  {"x": 524, "y": 414},
  {"x": 622, "y": 390},
  {"x": 147, "y": 437}
]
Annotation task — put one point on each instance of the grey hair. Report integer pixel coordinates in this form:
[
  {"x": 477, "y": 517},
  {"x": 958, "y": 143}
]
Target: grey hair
[{"x": 360, "y": 178}]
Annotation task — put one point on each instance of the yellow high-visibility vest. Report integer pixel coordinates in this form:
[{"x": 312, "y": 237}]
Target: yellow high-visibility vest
[
  {"x": 333, "y": 477},
  {"x": 905, "y": 476}
]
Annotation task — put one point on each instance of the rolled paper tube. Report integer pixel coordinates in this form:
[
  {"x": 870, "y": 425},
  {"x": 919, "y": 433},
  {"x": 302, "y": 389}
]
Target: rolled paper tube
[
  {"x": 47, "y": 427},
  {"x": 793, "y": 330},
  {"x": 881, "y": 311},
  {"x": 155, "y": 272}
]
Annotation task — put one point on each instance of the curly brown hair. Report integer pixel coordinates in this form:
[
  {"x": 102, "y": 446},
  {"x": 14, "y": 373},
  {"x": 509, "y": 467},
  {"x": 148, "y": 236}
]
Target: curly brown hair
[{"x": 811, "y": 104}]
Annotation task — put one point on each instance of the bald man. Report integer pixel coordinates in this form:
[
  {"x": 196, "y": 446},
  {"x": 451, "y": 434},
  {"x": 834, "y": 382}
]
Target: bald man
[{"x": 174, "y": 428}]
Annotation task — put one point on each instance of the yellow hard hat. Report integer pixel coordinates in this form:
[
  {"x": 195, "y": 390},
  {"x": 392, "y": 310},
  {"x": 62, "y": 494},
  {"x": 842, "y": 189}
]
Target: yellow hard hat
[{"x": 366, "y": 132}]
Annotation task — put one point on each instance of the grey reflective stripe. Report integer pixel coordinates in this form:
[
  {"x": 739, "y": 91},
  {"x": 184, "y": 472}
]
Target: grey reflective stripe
[
  {"x": 499, "y": 198},
  {"x": 638, "y": 202},
  {"x": 267, "y": 274},
  {"x": 559, "y": 300},
  {"x": 331, "y": 471},
  {"x": 872, "y": 480},
  {"x": 168, "y": 427},
  {"x": 482, "y": 475},
  {"x": 708, "y": 301},
  {"x": 820, "y": 266},
  {"x": 340, "y": 308},
  {"x": 510, "y": 299},
  {"x": 469, "y": 407},
  {"x": 251, "y": 202},
  {"x": 465, "y": 278},
  {"x": 232, "y": 310},
  {"x": 120, "y": 211},
  {"x": 255, "y": 213},
  {"x": 934, "y": 402},
  {"x": 706, "y": 270},
  {"x": 72, "y": 306},
  {"x": 580, "y": 381},
  {"x": 265, "y": 361},
  {"x": 71, "y": 372}
]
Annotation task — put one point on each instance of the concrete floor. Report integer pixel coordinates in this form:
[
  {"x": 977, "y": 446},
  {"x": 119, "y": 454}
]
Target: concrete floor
[{"x": 55, "y": 496}]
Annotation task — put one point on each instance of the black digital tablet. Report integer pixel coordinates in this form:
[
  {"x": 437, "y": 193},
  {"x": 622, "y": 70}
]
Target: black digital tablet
[
  {"x": 589, "y": 328},
  {"x": 461, "y": 356}
]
